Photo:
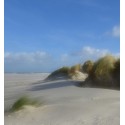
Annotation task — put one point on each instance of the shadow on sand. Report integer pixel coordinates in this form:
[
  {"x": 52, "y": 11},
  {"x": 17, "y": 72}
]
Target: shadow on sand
[{"x": 53, "y": 84}]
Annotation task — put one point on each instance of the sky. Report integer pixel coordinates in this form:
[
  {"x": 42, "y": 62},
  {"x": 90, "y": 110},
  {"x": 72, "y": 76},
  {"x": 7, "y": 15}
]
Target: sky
[{"x": 43, "y": 35}]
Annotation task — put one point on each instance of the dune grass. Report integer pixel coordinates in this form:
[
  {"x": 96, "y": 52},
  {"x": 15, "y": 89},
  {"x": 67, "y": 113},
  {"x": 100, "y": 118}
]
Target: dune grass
[
  {"x": 87, "y": 66},
  {"x": 21, "y": 102},
  {"x": 117, "y": 66},
  {"x": 74, "y": 68},
  {"x": 105, "y": 72},
  {"x": 64, "y": 70},
  {"x": 102, "y": 71},
  {"x": 103, "y": 66},
  {"x": 116, "y": 72}
]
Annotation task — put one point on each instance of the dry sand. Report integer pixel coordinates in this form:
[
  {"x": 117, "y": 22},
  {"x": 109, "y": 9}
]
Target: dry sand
[{"x": 63, "y": 102}]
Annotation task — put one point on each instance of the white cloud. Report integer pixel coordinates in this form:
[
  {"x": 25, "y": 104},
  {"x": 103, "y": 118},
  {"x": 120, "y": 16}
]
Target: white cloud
[
  {"x": 88, "y": 52},
  {"x": 32, "y": 57},
  {"x": 93, "y": 52},
  {"x": 24, "y": 61},
  {"x": 115, "y": 32},
  {"x": 44, "y": 62},
  {"x": 64, "y": 57}
]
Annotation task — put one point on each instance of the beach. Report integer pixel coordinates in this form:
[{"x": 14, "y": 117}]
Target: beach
[{"x": 62, "y": 102}]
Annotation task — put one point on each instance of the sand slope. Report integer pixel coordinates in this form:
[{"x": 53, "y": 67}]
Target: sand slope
[{"x": 63, "y": 102}]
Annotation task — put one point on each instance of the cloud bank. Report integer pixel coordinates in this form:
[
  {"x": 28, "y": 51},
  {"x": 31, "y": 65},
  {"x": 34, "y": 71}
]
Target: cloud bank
[
  {"x": 24, "y": 61},
  {"x": 25, "y": 57},
  {"x": 45, "y": 62},
  {"x": 93, "y": 52}
]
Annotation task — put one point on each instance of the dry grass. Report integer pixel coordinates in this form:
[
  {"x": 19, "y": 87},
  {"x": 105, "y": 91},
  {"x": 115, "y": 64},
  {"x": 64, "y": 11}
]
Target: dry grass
[
  {"x": 102, "y": 71},
  {"x": 75, "y": 68},
  {"x": 59, "y": 72},
  {"x": 105, "y": 72},
  {"x": 87, "y": 66},
  {"x": 116, "y": 72}
]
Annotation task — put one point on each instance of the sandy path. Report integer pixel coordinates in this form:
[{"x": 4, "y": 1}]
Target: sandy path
[{"x": 64, "y": 104}]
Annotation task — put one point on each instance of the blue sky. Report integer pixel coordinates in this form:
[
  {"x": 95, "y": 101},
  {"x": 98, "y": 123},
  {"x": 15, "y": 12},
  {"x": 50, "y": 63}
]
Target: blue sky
[{"x": 42, "y": 35}]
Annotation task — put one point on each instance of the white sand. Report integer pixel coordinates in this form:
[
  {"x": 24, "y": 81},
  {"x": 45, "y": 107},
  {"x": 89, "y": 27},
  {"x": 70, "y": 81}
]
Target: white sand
[
  {"x": 79, "y": 76},
  {"x": 63, "y": 102}
]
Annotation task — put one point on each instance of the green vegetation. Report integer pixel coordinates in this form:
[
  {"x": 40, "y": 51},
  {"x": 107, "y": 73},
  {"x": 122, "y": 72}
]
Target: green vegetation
[
  {"x": 65, "y": 71},
  {"x": 105, "y": 72},
  {"x": 59, "y": 72},
  {"x": 21, "y": 102},
  {"x": 117, "y": 66},
  {"x": 87, "y": 66},
  {"x": 102, "y": 71},
  {"x": 75, "y": 68},
  {"x": 116, "y": 72}
]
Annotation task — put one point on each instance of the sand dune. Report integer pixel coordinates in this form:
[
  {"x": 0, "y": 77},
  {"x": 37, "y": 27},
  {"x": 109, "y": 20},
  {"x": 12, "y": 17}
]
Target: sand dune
[{"x": 63, "y": 102}]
